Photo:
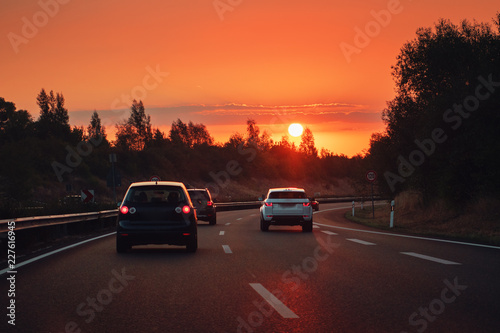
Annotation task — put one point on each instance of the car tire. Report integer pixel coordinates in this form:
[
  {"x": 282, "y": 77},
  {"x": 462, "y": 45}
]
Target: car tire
[
  {"x": 213, "y": 220},
  {"x": 264, "y": 226},
  {"x": 192, "y": 244},
  {"x": 307, "y": 227},
  {"x": 122, "y": 246}
]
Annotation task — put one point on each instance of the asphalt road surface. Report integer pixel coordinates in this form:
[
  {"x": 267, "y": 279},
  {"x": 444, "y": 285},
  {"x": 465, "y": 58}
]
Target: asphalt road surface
[{"x": 342, "y": 277}]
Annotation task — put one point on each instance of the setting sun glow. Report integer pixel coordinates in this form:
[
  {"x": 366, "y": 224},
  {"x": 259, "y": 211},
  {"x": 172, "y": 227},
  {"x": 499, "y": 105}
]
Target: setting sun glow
[{"x": 295, "y": 130}]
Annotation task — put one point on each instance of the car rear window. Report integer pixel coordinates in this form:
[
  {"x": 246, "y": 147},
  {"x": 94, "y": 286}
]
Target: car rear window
[
  {"x": 155, "y": 194},
  {"x": 287, "y": 195},
  {"x": 199, "y": 195}
]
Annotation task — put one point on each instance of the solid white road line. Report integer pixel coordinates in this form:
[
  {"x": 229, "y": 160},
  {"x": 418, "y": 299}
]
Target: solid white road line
[
  {"x": 414, "y": 237},
  {"x": 328, "y": 232},
  {"x": 221, "y": 233},
  {"x": 3, "y": 271},
  {"x": 423, "y": 256},
  {"x": 281, "y": 308},
  {"x": 227, "y": 249},
  {"x": 316, "y": 227},
  {"x": 360, "y": 241}
]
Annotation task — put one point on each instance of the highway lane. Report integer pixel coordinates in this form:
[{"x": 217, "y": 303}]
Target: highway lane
[{"x": 332, "y": 280}]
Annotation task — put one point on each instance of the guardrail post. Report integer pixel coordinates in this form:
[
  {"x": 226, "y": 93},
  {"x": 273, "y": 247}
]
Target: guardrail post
[
  {"x": 353, "y": 208},
  {"x": 391, "y": 223}
]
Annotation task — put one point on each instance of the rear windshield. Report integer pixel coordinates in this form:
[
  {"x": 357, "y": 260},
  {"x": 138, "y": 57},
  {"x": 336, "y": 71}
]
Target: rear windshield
[
  {"x": 155, "y": 194},
  {"x": 287, "y": 195},
  {"x": 198, "y": 195}
]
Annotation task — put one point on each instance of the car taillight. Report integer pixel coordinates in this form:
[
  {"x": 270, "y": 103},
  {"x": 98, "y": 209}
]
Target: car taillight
[
  {"x": 268, "y": 204},
  {"x": 210, "y": 203},
  {"x": 124, "y": 210},
  {"x": 186, "y": 209},
  {"x": 306, "y": 204}
]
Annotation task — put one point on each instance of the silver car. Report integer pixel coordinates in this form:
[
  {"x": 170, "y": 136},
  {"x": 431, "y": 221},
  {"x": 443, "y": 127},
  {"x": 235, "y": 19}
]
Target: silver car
[{"x": 286, "y": 206}]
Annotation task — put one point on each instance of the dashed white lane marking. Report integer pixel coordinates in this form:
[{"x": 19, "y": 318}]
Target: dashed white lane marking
[
  {"x": 438, "y": 260},
  {"x": 240, "y": 218},
  {"x": 227, "y": 249},
  {"x": 228, "y": 223},
  {"x": 360, "y": 241},
  {"x": 315, "y": 227},
  {"x": 281, "y": 308},
  {"x": 328, "y": 232},
  {"x": 221, "y": 233}
]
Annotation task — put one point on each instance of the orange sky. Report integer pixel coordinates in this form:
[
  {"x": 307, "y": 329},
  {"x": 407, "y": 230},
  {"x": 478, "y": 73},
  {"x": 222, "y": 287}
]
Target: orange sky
[{"x": 275, "y": 61}]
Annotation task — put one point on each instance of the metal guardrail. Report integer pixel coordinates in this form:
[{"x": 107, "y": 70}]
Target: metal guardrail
[{"x": 43, "y": 221}]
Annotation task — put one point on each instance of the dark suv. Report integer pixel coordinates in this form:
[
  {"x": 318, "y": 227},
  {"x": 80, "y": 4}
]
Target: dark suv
[
  {"x": 156, "y": 213},
  {"x": 205, "y": 206}
]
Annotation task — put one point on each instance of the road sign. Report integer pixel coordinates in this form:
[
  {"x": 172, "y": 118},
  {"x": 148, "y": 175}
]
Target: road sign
[
  {"x": 87, "y": 196},
  {"x": 371, "y": 176},
  {"x": 155, "y": 179}
]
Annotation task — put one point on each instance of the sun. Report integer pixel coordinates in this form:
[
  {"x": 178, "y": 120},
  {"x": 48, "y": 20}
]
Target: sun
[{"x": 295, "y": 129}]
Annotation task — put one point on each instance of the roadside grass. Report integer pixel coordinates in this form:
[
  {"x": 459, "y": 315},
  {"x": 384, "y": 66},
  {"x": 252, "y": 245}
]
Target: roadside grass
[{"x": 479, "y": 223}]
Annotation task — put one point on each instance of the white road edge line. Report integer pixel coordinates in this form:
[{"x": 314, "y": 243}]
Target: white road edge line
[
  {"x": 281, "y": 308},
  {"x": 414, "y": 237},
  {"x": 228, "y": 223},
  {"x": 423, "y": 256},
  {"x": 328, "y": 232},
  {"x": 3, "y": 271},
  {"x": 360, "y": 241},
  {"x": 227, "y": 249},
  {"x": 221, "y": 233}
]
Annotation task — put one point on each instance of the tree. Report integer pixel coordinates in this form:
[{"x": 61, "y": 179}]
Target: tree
[
  {"x": 14, "y": 124},
  {"x": 54, "y": 119},
  {"x": 95, "y": 131},
  {"x": 307, "y": 143},
  {"x": 189, "y": 135},
  {"x": 438, "y": 76},
  {"x": 254, "y": 138},
  {"x": 136, "y": 132}
]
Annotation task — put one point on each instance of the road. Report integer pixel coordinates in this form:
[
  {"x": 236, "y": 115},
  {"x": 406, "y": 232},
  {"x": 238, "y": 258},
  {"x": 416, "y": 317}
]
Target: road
[{"x": 342, "y": 277}]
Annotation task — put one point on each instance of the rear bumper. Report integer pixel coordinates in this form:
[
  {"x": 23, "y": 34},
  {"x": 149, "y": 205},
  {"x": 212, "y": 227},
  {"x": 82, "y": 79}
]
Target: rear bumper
[
  {"x": 160, "y": 234},
  {"x": 287, "y": 219},
  {"x": 205, "y": 215},
  {"x": 147, "y": 237}
]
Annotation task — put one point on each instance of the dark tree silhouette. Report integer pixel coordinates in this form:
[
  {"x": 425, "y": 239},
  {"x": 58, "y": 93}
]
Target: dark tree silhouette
[{"x": 307, "y": 143}]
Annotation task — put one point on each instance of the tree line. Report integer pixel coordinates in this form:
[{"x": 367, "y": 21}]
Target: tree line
[{"x": 49, "y": 156}]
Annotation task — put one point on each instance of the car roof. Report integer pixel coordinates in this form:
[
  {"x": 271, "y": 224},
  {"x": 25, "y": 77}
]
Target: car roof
[
  {"x": 286, "y": 189},
  {"x": 163, "y": 183}
]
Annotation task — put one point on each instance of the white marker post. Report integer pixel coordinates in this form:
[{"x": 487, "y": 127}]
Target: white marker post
[
  {"x": 391, "y": 224},
  {"x": 353, "y": 208}
]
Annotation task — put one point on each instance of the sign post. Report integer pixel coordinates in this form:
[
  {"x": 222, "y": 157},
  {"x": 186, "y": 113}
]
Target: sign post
[
  {"x": 371, "y": 176},
  {"x": 391, "y": 223},
  {"x": 112, "y": 159}
]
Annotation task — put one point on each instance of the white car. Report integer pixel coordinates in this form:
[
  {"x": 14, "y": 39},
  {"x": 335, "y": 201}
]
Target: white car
[{"x": 286, "y": 206}]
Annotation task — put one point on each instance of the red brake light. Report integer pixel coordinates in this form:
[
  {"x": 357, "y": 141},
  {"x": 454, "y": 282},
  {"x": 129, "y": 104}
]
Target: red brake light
[
  {"x": 124, "y": 210},
  {"x": 306, "y": 204},
  {"x": 210, "y": 203},
  {"x": 268, "y": 204},
  {"x": 186, "y": 209}
]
